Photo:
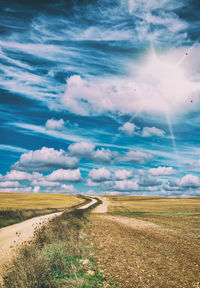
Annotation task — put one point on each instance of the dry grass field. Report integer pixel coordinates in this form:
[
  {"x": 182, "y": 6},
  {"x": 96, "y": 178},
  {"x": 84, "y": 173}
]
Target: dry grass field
[
  {"x": 16, "y": 207},
  {"x": 149, "y": 242},
  {"x": 37, "y": 201},
  {"x": 181, "y": 214}
]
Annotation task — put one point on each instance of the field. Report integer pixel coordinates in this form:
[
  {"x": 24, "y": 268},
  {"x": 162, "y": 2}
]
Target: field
[
  {"x": 149, "y": 242},
  {"x": 182, "y": 214},
  {"x": 141, "y": 242},
  {"x": 16, "y": 207}
]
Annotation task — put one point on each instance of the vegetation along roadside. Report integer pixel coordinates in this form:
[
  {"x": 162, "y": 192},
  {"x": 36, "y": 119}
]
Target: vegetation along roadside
[{"x": 60, "y": 255}]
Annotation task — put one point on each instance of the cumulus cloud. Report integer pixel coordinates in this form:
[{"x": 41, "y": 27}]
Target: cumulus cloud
[
  {"x": 10, "y": 184},
  {"x": 51, "y": 188},
  {"x": 87, "y": 150},
  {"x": 136, "y": 157},
  {"x": 36, "y": 189},
  {"x": 91, "y": 183},
  {"x": 126, "y": 185},
  {"x": 66, "y": 189},
  {"x": 187, "y": 182},
  {"x": 45, "y": 183},
  {"x": 123, "y": 174},
  {"x": 149, "y": 182},
  {"x": 62, "y": 175},
  {"x": 123, "y": 186},
  {"x": 128, "y": 128},
  {"x": 44, "y": 160},
  {"x": 171, "y": 186},
  {"x": 190, "y": 181},
  {"x": 21, "y": 176},
  {"x": 139, "y": 94},
  {"x": 99, "y": 175},
  {"x": 17, "y": 190},
  {"x": 162, "y": 171},
  {"x": 82, "y": 149},
  {"x": 102, "y": 155},
  {"x": 53, "y": 124},
  {"x": 152, "y": 131}
]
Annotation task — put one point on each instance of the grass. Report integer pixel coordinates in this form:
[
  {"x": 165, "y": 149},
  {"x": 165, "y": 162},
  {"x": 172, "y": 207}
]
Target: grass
[
  {"x": 17, "y": 207},
  {"x": 59, "y": 256}
]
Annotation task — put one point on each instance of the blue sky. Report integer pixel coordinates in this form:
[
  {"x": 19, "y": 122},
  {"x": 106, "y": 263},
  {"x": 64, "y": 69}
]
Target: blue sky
[{"x": 100, "y": 97}]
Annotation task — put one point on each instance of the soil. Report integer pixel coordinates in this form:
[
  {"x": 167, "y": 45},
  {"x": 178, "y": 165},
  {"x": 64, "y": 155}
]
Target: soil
[{"x": 135, "y": 253}]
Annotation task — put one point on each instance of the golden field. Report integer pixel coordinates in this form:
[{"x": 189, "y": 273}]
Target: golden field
[
  {"x": 37, "y": 201},
  {"x": 155, "y": 204},
  {"x": 17, "y": 207}
]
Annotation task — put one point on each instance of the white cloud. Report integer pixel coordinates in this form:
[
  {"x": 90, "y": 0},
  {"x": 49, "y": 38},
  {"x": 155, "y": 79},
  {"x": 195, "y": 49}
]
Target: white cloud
[
  {"x": 150, "y": 90},
  {"x": 36, "y": 129},
  {"x": 190, "y": 181},
  {"x": 125, "y": 185},
  {"x": 123, "y": 174},
  {"x": 91, "y": 183},
  {"x": 149, "y": 182},
  {"x": 10, "y": 184},
  {"x": 90, "y": 192},
  {"x": 115, "y": 193},
  {"x": 162, "y": 171},
  {"x": 152, "y": 131},
  {"x": 87, "y": 150},
  {"x": 53, "y": 124},
  {"x": 82, "y": 149},
  {"x": 195, "y": 164},
  {"x": 36, "y": 189},
  {"x": 100, "y": 175},
  {"x": 44, "y": 183},
  {"x": 128, "y": 128},
  {"x": 64, "y": 175},
  {"x": 67, "y": 189},
  {"x": 45, "y": 159},
  {"x": 21, "y": 176},
  {"x": 12, "y": 148},
  {"x": 171, "y": 186},
  {"x": 187, "y": 183},
  {"x": 64, "y": 188},
  {"x": 102, "y": 155},
  {"x": 17, "y": 190},
  {"x": 136, "y": 157}
]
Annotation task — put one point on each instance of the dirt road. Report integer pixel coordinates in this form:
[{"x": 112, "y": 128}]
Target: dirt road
[
  {"x": 14, "y": 235},
  {"x": 102, "y": 208}
]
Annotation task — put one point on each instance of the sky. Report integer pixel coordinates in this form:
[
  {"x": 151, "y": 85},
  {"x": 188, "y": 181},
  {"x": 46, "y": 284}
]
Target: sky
[{"x": 100, "y": 97}]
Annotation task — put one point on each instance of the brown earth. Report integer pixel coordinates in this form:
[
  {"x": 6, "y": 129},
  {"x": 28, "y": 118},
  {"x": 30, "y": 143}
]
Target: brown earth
[{"x": 136, "y": 253}]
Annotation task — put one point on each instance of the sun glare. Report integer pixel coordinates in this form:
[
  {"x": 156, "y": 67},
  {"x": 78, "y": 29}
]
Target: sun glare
[{"x": 165, "y": 87}]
